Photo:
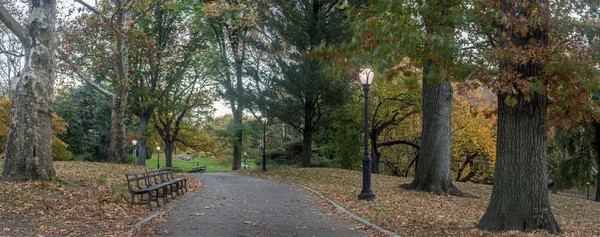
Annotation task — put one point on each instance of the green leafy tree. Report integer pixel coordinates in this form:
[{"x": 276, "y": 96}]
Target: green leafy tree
[
  {"x": 541, "y": 62},
  {"x": 304, "y": 92},
  {"x": 164, "y": 48},
  {"x": 88, "y": 115},
  {"x": 231, "y": 23}
]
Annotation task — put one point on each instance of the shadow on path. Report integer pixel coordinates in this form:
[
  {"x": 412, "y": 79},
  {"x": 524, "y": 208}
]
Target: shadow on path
[{"x": 237, "y": 205}]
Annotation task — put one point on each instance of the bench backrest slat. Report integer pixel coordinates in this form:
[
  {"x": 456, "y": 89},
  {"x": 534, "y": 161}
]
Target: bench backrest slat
[{"x": 139, "y": 178}]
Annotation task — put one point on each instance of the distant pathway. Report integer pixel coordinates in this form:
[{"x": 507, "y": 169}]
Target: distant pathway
[{"x": 239, "y": 206}]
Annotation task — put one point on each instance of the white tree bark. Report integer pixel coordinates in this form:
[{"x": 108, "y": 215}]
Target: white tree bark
[{"x": 29, "y": 143}]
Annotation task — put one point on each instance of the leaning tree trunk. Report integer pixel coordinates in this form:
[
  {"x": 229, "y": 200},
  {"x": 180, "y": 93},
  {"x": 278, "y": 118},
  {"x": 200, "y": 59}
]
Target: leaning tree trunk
[
  {"x": 520, "y": 197},
  {"x": 433, "y": 168},
  {"x": 307, "y": 134},
  {"x": 597, "y": 144},
  {"x": 29, "y": 141}
]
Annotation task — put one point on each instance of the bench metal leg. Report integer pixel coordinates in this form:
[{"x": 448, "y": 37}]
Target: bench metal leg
[{"x": 148, "y": 201}]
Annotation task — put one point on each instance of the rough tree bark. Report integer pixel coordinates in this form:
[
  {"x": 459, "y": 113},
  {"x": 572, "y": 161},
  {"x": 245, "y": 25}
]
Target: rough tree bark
[
  {"x": 375, "y": 155},
  {"x": 239, "y": 138},
  {"x": 597, "y": 144},
  {"x": 520, "y": 194},
  {"x": 239, "y": 46},
  {"x": 143, "y": 139},
  {"x": 433, "y": 169},
  {"x": 433, "y": 166},
  {"x": 520, "y": 197},
  {"x": 168, "y": 154},
  {"x": 116, "y": 152},
  {"x": 307, "y": 131},
  {"x": 29, "y": 142}
]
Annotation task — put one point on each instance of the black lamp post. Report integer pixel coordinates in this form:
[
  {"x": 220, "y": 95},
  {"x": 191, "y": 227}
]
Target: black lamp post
[
  {"x": 588, "y": 190},
  {"x": 158, "y": 161},
  {"x": 366, "y": 78},
  {"x": 264, "y": 121},
  {"x": 134, "y": 142}
]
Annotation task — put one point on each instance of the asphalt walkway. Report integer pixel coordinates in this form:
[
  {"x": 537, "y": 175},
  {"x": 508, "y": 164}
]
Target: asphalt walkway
[{"x": 240, "y": 206}]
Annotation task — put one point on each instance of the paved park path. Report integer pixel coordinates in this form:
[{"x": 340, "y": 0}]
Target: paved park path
[{"x": 238, "y": 206}]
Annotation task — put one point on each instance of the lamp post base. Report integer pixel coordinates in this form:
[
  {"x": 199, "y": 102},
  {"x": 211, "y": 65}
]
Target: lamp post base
[{"x": 366, "y": 195}]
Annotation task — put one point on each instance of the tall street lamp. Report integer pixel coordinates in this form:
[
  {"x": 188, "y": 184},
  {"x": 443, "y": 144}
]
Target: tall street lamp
[
  {"x": 366, "y": 78},
  {"x": 264, "y": 120},
  {"x": 134, "y": 142},
  {"x": 158, "y": 161}
]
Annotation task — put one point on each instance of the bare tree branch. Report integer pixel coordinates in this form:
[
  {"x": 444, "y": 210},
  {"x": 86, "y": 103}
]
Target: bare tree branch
[
  {"x": 12, "y": 53},
  {"x": 88, "y": 6},
  {"x": 14, "y": 26},
  {"x": 399, "y": 142},
  {"x": 83, "y": 77}
]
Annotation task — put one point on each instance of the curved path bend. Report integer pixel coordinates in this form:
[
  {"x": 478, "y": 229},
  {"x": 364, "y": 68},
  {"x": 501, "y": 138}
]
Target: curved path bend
[{"x": 239, "y": 206}]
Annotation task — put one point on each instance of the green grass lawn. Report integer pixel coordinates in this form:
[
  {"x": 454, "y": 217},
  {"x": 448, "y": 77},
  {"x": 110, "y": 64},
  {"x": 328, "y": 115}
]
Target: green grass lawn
[{"x": 188, "y": 165}]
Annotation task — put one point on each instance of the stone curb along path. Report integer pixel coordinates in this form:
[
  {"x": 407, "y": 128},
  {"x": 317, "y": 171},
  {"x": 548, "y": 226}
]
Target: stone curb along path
[
  {"x": 352, "y": 215},
  {"x": 170, "y": 207}
]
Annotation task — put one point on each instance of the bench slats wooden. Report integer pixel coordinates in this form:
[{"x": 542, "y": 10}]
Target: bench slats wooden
[
  {"x": 199, "y": 169},
  {"x": 151, "y": 185}
]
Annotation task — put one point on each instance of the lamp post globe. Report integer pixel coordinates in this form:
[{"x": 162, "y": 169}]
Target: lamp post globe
[
  {"x": 264, "y": 121},
  {"x": 158, "y": 161},
  {"x": 134, "y": 142},
  {"x": 366, "y": 77}
]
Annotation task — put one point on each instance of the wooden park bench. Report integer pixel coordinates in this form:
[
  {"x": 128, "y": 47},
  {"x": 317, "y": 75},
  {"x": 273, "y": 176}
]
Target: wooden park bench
[
  {"x": 152, "y": 185},
  {"x": 199, "y": 169},
  {"x": 175, "y": 169}
]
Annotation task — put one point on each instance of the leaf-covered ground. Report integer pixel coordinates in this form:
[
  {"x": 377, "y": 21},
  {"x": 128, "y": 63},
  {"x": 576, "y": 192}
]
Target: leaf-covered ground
[
  {"x": 411, "y": 213},
  {"x": 87, "y": 199}
]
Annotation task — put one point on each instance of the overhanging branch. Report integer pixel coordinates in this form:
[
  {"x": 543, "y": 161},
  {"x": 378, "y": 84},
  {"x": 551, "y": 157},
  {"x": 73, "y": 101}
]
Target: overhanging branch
[
  {"x": 14, "y": 26},
  {"x": 88, "y": 6},
  {"x": 83, "y": 77},
  {"x": 399, "y": 142}
]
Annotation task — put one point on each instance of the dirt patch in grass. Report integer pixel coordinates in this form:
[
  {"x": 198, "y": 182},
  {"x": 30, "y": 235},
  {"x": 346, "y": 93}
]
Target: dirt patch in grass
[
  {"x": 86, "y": 199},
  {"x": 411, "y": 213}
]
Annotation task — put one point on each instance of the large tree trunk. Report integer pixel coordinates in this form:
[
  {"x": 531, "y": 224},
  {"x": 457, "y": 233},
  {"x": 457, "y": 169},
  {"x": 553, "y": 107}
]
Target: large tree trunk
[
  {"x": 116, "y": 151},
  {"x": 239, "y": 139},
  {"x": 433, "y": 168},
  {"x": 520, "y": 194},
  {"x": 307, "y": 131},
  {"x": 597, "y": 143},
  {"x": 238, "y": 112},
  {"x": 168, "y": 154},
  {"x": 29, "y": 141},
  {"x": 376, "y": 156},
  {"x": 520, "y": 197},
  {"x": 142, "y": 140}
]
